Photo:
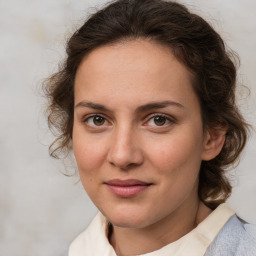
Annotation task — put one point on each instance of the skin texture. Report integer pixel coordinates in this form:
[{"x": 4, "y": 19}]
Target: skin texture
[{"x": 127, "y": 141}]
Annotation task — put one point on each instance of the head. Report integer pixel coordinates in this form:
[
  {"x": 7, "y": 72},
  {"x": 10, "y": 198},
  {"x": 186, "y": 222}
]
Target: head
[{"x": 193, "y": 44}]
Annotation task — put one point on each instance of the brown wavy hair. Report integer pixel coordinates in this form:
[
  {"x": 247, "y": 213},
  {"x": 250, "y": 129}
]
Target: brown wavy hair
[{"x": 194, "y": 42}]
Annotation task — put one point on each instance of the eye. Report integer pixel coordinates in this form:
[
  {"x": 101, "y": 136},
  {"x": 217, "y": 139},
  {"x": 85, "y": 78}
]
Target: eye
[
  {"x": 95, "y": 120},
  {"x": 159, "y": 120}
]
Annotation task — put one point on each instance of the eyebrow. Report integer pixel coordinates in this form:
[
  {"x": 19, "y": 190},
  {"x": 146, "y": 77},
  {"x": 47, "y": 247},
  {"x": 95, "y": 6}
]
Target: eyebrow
[
  {"x": 143, "y": 108},
  {"x": 92, "y": 105},
  {"x": 158, "y": 105}
]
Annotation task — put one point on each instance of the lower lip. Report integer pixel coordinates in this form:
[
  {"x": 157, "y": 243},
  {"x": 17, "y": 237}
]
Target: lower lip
[{"x": 129, "y": 191}]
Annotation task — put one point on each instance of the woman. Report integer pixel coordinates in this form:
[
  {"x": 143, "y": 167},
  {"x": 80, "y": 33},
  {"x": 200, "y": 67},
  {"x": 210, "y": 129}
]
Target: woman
[{"x": 146, "y": 100}]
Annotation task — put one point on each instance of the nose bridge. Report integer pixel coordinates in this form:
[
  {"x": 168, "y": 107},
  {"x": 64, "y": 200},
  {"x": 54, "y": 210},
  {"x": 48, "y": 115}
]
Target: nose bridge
[{"x": 125, "y": 149}]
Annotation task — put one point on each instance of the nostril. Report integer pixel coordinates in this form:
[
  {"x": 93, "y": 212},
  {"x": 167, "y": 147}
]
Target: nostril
[
  {"x": 126, "y": 160},
  {"x": 121, "y": 163}
]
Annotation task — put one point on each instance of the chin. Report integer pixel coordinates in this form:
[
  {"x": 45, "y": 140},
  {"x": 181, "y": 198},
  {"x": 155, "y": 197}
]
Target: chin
[
  {"x": 124, "y": 222},
  {"x": 127, "y": 218}
]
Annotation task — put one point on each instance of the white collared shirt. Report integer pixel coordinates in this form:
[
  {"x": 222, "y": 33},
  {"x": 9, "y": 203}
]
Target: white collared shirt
[{"x": 94, "y": 242}]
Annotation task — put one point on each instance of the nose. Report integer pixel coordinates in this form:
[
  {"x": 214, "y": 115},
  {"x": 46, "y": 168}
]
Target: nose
[{"x": 125, "y": 150}]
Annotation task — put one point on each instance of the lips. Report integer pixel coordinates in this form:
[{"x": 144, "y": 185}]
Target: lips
[{"x": 127, "y": 188}]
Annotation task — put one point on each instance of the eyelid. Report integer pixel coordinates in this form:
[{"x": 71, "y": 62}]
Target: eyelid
[
  {"x": 87, "y": 117},
  {"x": 168, "y": 118}
]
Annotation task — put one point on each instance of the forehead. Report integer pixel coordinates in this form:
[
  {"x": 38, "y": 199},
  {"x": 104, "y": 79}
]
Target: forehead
[{"x": 133, "y": 69}]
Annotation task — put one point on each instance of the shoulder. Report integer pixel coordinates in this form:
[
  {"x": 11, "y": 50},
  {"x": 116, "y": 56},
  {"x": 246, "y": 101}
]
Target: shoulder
[{"x": 234, "y": 239}]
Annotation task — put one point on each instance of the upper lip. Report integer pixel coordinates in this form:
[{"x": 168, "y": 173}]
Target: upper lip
[{"x": 126, "y": 183}]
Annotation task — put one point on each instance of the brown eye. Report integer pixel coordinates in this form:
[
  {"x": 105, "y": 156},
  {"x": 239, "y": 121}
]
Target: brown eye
[
  {"x": 95, "y": 120},
  {"x": 159, "y": 120},
  {"x": 98, "y": 120}
]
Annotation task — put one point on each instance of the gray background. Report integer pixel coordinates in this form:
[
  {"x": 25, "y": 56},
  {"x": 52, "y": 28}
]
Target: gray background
[{"x": 42, "y": 210}]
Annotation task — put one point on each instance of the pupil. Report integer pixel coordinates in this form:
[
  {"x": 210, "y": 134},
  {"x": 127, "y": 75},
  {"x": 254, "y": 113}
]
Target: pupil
[
  {"x": 98, "y": 120},
  {"x": 159, "y": 120}
]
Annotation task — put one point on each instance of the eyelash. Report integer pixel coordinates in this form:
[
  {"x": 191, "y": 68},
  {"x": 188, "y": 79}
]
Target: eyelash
[
  {"x": 167, "y": 118},
  {"x": 87, "y": 118}
]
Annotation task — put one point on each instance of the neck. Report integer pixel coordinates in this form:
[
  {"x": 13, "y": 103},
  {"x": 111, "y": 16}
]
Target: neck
[{"x": 132, "y": 241}]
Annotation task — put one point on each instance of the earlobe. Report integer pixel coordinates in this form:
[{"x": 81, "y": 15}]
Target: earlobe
[{"x": 213, "y": 143}]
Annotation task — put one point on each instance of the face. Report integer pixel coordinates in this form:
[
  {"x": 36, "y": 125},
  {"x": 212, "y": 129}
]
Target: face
[{"x": 137, "y": 136}]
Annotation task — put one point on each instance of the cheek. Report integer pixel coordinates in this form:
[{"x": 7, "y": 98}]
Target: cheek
[
  {"x": 88, "y": 159},
  {"x": 175, "y": 152},
  {"x": 177, "y": 161},
  {"x": 89, "y": 153}
]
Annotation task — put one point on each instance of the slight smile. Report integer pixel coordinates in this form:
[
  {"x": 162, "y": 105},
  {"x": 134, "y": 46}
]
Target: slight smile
[{"x": 127, "y": 188}]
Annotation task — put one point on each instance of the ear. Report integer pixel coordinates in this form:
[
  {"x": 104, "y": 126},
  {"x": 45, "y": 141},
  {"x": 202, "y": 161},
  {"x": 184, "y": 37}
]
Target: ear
[{"x": 213, "y": 142}]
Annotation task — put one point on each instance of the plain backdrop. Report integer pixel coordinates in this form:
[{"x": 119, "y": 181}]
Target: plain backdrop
[{"x": 42, "y": 210}]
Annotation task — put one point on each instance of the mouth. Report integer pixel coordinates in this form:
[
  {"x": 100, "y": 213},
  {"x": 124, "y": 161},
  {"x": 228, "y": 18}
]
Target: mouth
[{"x": 127, "y": 188}]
